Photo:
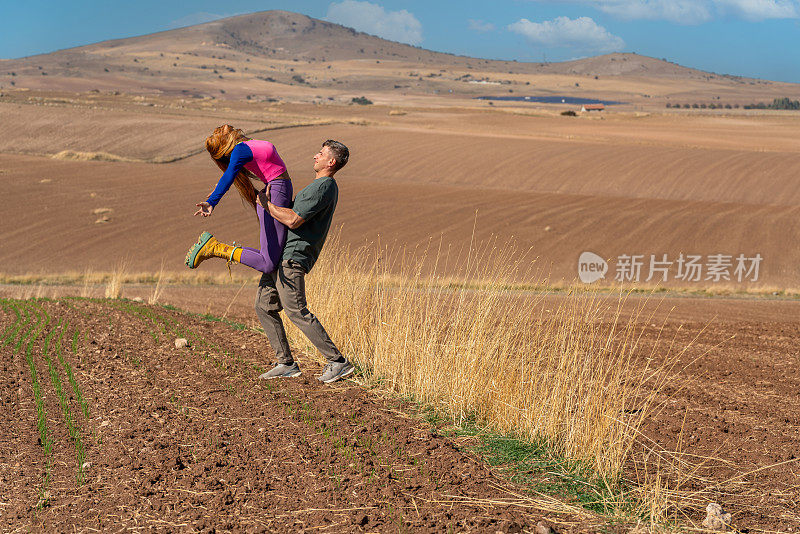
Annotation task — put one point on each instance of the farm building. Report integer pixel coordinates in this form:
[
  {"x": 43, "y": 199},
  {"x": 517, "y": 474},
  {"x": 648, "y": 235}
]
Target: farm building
[{"x": 592, "y": 107}]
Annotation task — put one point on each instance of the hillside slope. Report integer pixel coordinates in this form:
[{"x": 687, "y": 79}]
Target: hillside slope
[{"x": 283, "y": 54}]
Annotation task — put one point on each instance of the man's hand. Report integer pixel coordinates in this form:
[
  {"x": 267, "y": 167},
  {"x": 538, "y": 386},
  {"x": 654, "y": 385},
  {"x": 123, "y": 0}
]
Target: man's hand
[
  {"x": 205, "y": 209},
  {"x": 264, "y": 197}
]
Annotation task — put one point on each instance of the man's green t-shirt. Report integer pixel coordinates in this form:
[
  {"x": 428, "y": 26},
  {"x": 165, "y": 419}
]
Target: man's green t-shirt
[{"x": 315, "y": 203}]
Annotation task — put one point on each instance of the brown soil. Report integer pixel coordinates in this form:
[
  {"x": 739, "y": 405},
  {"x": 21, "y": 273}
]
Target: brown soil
[
  {"x": 731, "y": 410},
  {"x": 622, "y": 186},
  {"x": 191, "y": 439},
  {"x": 733, "y": 413}
]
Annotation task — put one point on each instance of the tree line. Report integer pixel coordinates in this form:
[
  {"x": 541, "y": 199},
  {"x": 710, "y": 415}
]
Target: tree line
[{"x": 778, "y": 103}]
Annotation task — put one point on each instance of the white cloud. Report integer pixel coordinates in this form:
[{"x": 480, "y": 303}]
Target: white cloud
[
  {"x": 582, "y": 33},
  {"x": 198, "y": 18},
  {"x": 693, "y": 11},
  {"x": 480, "y": 26},
  {"x": 681, "y": 11},
  {"x": 757, "y": 10},
  {"x": 371, "y": 18}
]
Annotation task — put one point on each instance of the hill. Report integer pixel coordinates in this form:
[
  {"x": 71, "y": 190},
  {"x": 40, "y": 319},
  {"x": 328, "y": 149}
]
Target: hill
[
  {"x": 278, "y": 54},
  {"x": 292, "y": 36}
]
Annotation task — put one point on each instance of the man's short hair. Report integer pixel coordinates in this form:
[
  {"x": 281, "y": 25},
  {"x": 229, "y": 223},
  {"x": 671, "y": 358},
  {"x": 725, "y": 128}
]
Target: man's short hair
[{"x": 340, "y": 153}]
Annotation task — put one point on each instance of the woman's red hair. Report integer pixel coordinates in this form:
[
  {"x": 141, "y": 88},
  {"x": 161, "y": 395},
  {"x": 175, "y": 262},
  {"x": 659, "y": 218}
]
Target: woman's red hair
[{"x": 220, "y": 145}]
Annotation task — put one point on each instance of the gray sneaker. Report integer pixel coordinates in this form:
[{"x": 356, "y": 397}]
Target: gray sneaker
[
  {"x": 281, "y": 370},
  {"x": 324, "y": 371},
  {"x": 336, "y": 371}
]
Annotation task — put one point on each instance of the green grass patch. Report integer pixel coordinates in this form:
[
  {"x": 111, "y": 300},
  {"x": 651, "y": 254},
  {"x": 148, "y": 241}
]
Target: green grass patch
[
  {"x": 55, "y": 380},
  {"x": 76, "y": 390},
  {"x": 31, "y": 319},
  {"x": 17, "y": 335},
  {"x": 23, "y": 337},
  {"x": 10, "y": 332},
  {"x": 537, "y": 466}
]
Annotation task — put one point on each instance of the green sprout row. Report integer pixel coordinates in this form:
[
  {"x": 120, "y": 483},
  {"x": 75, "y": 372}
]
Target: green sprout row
[
  {"x": 30, "y": 320},
  {"x": 55, "y": 379},
  {"x": 76, "y": 390}
]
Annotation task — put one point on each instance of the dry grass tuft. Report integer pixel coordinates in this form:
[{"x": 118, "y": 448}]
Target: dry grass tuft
[
  {"x": 230, "y": 304},
  {"x": 86, "y": 290},
  {"x": 563, "y": 372},
  {"x": 88, "y": 156},
  {"x": 153, "y": 299},
  {"x": 114, "y": 284}
]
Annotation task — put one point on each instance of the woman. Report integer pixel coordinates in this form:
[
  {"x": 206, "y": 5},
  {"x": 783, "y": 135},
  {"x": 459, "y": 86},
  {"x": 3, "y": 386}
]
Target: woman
[{"x": 242, "y": 160}]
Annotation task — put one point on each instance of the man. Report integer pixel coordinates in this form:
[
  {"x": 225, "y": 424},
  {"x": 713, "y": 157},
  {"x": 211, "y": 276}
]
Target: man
[{"x": 308, "y": 221}]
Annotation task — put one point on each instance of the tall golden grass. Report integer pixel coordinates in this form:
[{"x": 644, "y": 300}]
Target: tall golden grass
[
  {"x": 163, "y": 278},
  {"x": 115, "y": 281},
  {"x": 556, "y": 369},
  {"x": 156, "y": 294}
]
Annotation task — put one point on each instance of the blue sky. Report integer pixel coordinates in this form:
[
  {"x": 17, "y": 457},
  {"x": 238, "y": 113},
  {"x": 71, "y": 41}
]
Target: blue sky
[{"x": 759, "y": 38}]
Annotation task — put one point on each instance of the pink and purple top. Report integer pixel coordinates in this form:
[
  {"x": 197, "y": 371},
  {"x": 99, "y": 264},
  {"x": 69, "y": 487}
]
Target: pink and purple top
[{"x": 259, "y": 157}]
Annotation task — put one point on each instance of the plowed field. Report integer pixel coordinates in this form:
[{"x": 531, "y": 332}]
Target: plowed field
[{"x": 134, "y": 433}]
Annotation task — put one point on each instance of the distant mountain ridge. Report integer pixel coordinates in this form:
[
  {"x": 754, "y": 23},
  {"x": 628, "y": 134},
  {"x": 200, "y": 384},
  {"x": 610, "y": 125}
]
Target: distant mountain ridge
[
  {"x": 239, "y": 54},
  {"x": 287, "y": 35}
]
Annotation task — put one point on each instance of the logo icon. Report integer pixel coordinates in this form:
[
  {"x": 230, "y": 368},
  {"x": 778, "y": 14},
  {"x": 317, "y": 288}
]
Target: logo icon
[{"x": 591, "y": 267}]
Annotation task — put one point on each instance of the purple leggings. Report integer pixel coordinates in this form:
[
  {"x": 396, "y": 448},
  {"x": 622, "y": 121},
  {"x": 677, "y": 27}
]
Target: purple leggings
[{"x": 273, "y": 233}]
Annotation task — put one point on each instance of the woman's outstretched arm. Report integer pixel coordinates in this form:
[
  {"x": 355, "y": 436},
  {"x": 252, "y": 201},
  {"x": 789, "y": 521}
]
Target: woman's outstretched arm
[{"x": 240, "y": 155}]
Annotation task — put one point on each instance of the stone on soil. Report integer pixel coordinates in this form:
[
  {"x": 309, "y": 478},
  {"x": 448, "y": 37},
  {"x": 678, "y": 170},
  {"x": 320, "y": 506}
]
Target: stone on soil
[
  {"x": 181, "y": 342},
  {"x": 716, "y": 517}
]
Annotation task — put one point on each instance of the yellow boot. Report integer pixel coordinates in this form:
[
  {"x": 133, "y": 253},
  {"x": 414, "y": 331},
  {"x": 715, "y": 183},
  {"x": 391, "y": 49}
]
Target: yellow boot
[{"x": 207, "y": 246}]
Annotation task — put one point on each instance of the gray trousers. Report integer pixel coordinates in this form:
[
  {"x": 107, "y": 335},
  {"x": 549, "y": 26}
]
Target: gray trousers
[{"x": 285, "y": 289}]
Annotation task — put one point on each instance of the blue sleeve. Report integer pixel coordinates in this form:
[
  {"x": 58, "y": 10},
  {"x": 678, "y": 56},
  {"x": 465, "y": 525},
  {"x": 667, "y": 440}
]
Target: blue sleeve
[{"x": 240, "y": 155}]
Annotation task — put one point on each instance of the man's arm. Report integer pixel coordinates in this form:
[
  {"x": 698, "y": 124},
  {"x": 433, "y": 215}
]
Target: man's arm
[{"x": 285, "y": 216}]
